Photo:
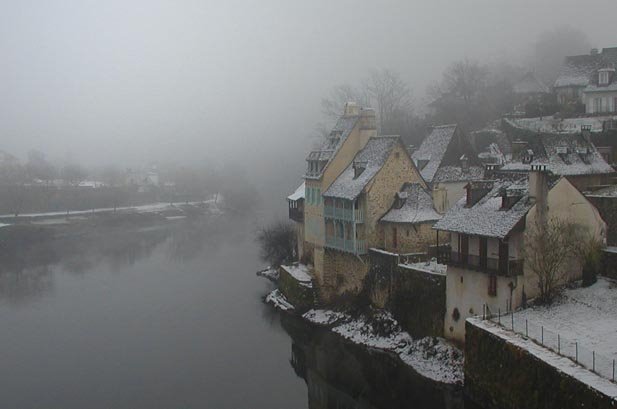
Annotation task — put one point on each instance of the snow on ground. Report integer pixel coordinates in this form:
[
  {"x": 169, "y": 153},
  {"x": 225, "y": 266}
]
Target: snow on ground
[
  {"x": 279, "y": 301},
  {"x": 561, "y": 363},
  {"x": 300, "y": 272},
  {"x": 585, "y": 315},
  {"x": 431, "y": 357},
  {"x": 431, "y": 267},
  {"x": 153, "y": 207},
  {"x": 271, "y": 273}
]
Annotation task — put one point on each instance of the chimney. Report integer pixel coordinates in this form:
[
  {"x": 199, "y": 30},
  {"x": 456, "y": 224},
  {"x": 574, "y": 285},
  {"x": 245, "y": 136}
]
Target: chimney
[
  {"x": 476, "y": 191},
  {"x": 464, "y": 163},
  {"x": 518, "y": 146},
  {"x": 368, "y": 119},
  {"x": 586, "y": 133},
  {"x": 351, "y": 109},
  {"x": 538, "y": 190},
  {"x": 594, "y": 51}
]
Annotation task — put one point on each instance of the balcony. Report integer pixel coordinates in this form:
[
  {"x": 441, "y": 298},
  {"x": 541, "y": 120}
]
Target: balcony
[
  {"x": 344, "y": 214},
  {"x": 296, "y": 214},
  {"x": 357, "y": 246},
  {"x": 490, "y": 265}
]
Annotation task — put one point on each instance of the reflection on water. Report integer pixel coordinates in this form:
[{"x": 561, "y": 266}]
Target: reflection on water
[
  {"x": 171, "y": 315},
  {"x": 343, "y": 375}
]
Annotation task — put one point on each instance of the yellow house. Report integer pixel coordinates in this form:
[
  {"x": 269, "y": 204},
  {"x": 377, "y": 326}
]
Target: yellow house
[
  {"x": 349, "y": 135},
  {"x": 353, "y": 205},
  {"x": 487, "y": 237}
]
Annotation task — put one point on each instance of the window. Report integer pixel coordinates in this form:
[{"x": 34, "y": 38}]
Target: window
[
  {"x": 615, "y": 104},
  {"x": 603, "y": 80},
  {"x": 407, "y": 232},
  {"x": 492, "y": 285},
  {"x": 394, "y": 238},
  {"x": 597, "y": 105},
  {"x": 318, "y": 198}
]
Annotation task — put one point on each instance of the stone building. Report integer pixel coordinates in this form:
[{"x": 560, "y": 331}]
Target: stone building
[
  {"x": 348, "y": 136},
  {"x": 408, "y": 225},
  {"x": 576, "y": 73},
  {"x": 487, "y": 236},
  {"x": 353, "y": 205}
]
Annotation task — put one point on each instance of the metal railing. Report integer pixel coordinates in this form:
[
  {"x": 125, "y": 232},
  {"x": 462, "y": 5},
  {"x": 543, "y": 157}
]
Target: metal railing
[
  {"x": 474, "y": 262},
  {"x": 556, "y": 342}
]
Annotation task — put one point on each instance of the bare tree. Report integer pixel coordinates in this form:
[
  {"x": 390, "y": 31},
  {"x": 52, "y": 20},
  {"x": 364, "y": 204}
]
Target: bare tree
[
  {"x": 333, "y": 104},
  {"x": 466, "y": 79},
  {"x": 391, "y": 96},
  {"x": 549, "y": 248},
  {"x": 38, "y": 167},
  {"x": 277, "y": 243},
  {"x": 73, "y": 173}
]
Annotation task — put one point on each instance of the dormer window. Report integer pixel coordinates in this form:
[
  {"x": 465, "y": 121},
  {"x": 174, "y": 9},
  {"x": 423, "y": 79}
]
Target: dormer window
[
  {"x": 464, "y": 163},
  {"x": 603, "y": 78},
  {"x": 358, "y": 168},
  {"x": 527, "y": 156}
]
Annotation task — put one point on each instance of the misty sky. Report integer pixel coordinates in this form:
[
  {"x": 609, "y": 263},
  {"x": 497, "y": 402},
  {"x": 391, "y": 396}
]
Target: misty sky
[{"x": 133, "y": 81}]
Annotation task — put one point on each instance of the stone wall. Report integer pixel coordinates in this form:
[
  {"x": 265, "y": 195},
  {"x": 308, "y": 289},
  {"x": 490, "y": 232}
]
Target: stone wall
[
  {"x": 299, "y": 294},
  {"x": 344, "y": 274},
  {"x": 500, "y": 375},
  {"x": 411, "y": 238},
  {"x": 417, "y": 299}
]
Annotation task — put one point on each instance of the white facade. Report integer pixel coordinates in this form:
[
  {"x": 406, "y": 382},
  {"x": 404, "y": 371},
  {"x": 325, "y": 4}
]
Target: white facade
[{"x": 600, "y": 102}]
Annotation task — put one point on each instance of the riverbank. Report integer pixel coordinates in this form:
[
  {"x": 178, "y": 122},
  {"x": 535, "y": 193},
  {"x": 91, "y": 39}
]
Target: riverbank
[{"x": 432, "y": 357}]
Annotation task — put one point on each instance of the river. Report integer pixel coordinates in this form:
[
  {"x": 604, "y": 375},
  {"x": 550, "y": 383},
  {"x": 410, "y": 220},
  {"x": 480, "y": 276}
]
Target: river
[{"x": 172, "y": 317}]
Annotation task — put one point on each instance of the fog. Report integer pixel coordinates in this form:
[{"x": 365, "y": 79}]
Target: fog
[{"x": 234, "y": 81}]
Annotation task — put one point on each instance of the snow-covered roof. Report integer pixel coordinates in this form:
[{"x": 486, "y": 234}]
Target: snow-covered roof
[
  {"x": 564, "y": 154},
  {"x": 576, "y": 70},
  {"x": 609, "y": 191},
  {"x": 417, "y": 206},
  {"x": 339, "y": 133},
  {"x": 298, "y": 194},
  {"x": 433, "y": 149},
  {"x": 550, "y": 124},
  {"x": 530, "y": 84},
  {"x": 487, "y": 217},
  {"x": 373, "y": 156},
  {"x": 458, "y": 174}
]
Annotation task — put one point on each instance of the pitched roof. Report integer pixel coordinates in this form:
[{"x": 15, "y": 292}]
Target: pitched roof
[
  {"x": 417, "y": 206},
  {"x": 458, "y": 174},
  {"x": 486, "y": 217},
  {"x": 576, "y": 70},
  {"x": 373, "y": 156},
  {"x": 530, "y": 84},
  {"x": 433, "y": 149},
  {"x": 564, "y": 154},
  {"x": 339, "y": 133},
  {"x": 298, "y": 193}
]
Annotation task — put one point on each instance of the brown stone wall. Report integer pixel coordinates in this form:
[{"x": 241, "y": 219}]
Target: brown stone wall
[
  {"x": 411, "y": 238},
  {"x": 398, "y": 170},
  {"x": 344, "y": 274}
]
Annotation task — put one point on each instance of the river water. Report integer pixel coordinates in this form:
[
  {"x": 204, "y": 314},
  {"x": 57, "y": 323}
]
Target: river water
[{"x": 172, "y": 317}]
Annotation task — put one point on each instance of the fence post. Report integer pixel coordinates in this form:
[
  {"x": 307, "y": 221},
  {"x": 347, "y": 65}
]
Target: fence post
[
  {"x": 613, "y": 370},
  {"x": 499, "y": 315},
  {"x": 542, "y": 335},
  {"x": 558, "y": 344},
  {"x": 526, "y": 328},
  {"x": 576, "y": 346},
  {"x": 483, "y": 311},
  {"x": 512, "y": 315},
  {"x": 594, "y": 360}
]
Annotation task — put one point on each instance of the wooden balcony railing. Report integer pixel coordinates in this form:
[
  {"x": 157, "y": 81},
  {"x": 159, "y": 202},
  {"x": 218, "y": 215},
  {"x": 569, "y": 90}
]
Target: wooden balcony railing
[
  {"x": 344, "y": 214},
  {"x": 347, "y": 245}
]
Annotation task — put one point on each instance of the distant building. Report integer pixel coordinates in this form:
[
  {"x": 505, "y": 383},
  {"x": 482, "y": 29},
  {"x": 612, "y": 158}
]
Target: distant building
[
  {"x": 565, "y": 153},
  {"x": 600, "y": 95},
  {"x": 577, "y": 72},
  {"x": 144, "y": 179},
  {"x": 487, "y": 237}
]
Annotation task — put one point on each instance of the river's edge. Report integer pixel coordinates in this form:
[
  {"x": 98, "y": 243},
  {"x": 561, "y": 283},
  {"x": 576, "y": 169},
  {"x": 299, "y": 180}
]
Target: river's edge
[{"x": 431, "y": 357}]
